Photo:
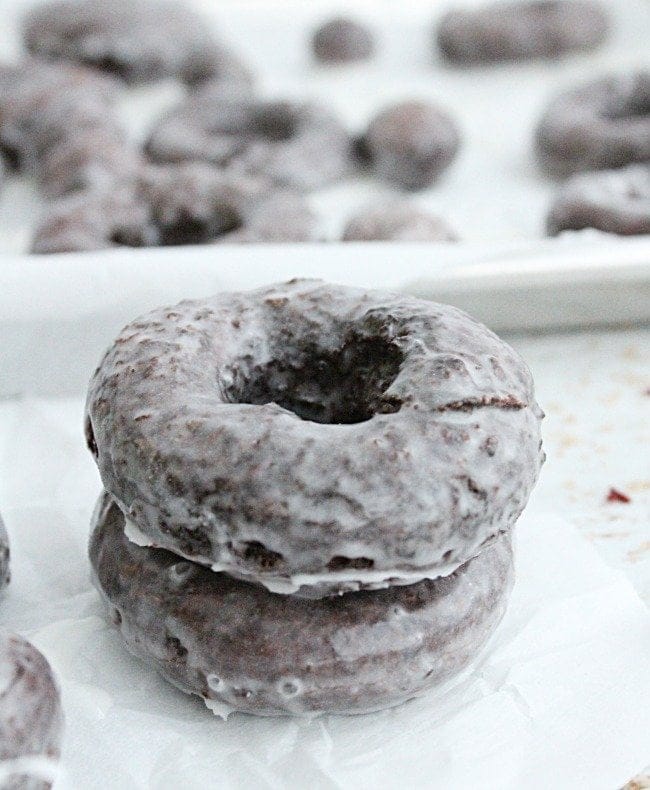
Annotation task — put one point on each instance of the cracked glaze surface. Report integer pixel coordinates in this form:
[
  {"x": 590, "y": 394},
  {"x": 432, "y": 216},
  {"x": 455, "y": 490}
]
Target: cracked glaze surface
[
  {"x": 363, "y": 651},
  {"x": 31, "y": 720},
  {"x": 420, "y": 440}
]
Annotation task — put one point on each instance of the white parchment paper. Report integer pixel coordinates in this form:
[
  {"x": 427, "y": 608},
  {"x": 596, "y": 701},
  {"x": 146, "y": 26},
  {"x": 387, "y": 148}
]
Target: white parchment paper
[{"x": 559, "y": 700}]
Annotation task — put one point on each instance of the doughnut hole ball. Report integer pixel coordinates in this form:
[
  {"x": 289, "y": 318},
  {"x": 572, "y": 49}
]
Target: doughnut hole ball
[
  {"x": 410, "y": 144},
  {"x": 342, "y": 40}
]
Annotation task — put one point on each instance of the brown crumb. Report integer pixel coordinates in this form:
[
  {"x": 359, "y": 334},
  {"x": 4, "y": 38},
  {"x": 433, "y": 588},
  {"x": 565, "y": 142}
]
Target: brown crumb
[
  {"x": 639, "y": 553},
  {"x": 639, "y": 485},
  {"x": 640, "y": 782},
  {"x": 630, "y": 352},
  {"x": 615, "y": 495}
]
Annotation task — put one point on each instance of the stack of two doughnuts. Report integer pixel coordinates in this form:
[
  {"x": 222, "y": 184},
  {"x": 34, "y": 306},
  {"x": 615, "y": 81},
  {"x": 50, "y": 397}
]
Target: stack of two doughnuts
[{"x": 310, "y": 492}]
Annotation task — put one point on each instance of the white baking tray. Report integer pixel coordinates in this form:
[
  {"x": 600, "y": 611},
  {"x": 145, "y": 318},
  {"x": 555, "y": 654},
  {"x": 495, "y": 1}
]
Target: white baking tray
[{"x": 89, "y": 296}]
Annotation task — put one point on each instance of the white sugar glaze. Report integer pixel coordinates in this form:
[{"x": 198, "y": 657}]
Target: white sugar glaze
[
  {"x": 306, "y": 584},
  {"x": 242, "y": 648}
]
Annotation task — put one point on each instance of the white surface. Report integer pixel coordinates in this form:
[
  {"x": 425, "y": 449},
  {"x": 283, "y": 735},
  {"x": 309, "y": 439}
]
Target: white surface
[
  {"x": 492, "y": 192},
  {"x": 595, "y": 390}
]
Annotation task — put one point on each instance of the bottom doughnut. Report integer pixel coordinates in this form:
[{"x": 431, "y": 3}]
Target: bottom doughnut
[{"x": 242, "y": 648}]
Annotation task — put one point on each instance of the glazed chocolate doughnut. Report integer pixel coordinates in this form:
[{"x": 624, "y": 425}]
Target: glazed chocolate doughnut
[
  {"x": 190, "y": 203},
  {"x": 411, "y": 144},
  {"x": 615, "y": 201},
  {"x": 90, "y": 160},
  {"x": 294, "y": 144},
  {"x": 243, "y": 648},
  {"x": 136, "y": 40},
  {"x": 600, "y": 125},
  {"x": 94, "y": 220},
  {"x": 342, "y": 40},
  {"x": 396, "y": 221},
  {"x": 5, "y": 556},
  {"x": 315, "y": 438},
  {"x": 31, "y": 720},
  {"x": 44, "y": 105},
  {"x": 194, "y": 203},
  {"x": 506, "y": 31}
]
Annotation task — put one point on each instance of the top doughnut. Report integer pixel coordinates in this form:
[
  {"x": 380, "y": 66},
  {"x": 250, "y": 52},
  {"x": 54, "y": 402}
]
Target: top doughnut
[
  {"x": 315, "y": 438},
  {"x": 507, "y": 31},
  {"x": 137, "y": 40}
]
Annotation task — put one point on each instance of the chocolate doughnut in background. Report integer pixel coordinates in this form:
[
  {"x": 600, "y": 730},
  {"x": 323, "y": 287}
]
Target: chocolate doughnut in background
[
  {"x": 282, "y": 216},
  {"x": 410, "y": 144},
  {"x": 179, "y": 204},
  {"x": 31, "y": 719},
  {"x": 195, "y": 202},
  {"x": 243, "y": 648},
  {"x": 95, "y": 220},
  {"x": 512, "y": 31},
  {"x": 599, "y": 125},
  {"x": 44, "y": 105},
  {"x": 58, "y": 123},
  {"x": 396, "y": 220},
  {"x": 614, "y": 201},
  {"x": 297, "y": 145},
  {"x": 342, "y": 40},
  {"x": 135, "y": 40},
  {"x": 315, "y": 438}
]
